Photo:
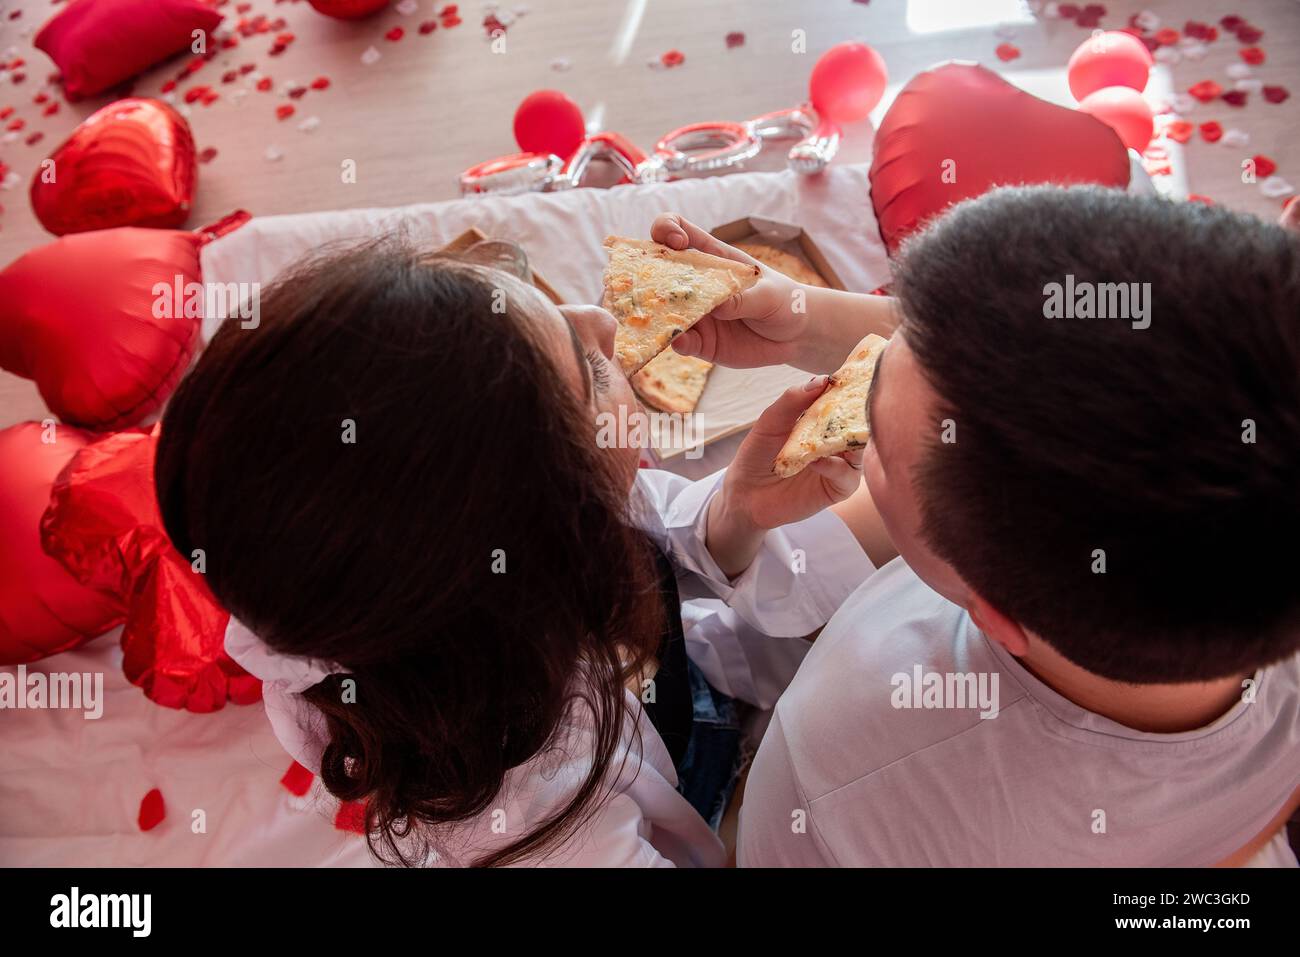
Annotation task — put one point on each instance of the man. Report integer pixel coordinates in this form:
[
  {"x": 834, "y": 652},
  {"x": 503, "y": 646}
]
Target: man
[{"x": 1086, "y": 449}]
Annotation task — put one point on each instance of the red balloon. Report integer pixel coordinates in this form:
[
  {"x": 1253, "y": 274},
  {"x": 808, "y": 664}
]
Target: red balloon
[
  {"x": 104, "y": 526},
  {"x": 129, "y": 164},
  {"x": 43, "y": 609},
  {"x": 958, "y": 130},
  {"x": 99, "y": 43},
  {"x": 105, "y": 322},
  {"x": 348, "y": 9},
  {"x": 847, "y": 82},
  {"x": 1113, "y": 58},
  {"x": 549, "y": 122},
  {"x": 1125, "y": 111}
]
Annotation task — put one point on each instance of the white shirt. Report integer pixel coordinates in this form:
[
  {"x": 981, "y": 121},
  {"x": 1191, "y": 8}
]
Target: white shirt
[{"x": 846, "y": 777}]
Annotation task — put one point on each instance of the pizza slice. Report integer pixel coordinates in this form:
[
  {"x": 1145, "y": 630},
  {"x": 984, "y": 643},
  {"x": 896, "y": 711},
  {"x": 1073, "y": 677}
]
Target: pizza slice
[
  {"x": 837, "y": 420},
  {"x": 672, "y": 382},
  {"x": 655, "y": 292}
]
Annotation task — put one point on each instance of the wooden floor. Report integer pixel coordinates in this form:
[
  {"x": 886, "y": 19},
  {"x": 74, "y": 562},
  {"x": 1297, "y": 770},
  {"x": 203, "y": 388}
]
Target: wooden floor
[{"x": 434, "y": 103}]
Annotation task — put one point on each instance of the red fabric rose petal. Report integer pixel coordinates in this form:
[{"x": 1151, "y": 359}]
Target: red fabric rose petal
[
  {"x": 1180, "y": 131},
  {"x": 297, "y": 780},
  {"x": 735, "y": 39},
  {"x": 1167, "y": 37},
  {"x": 1264, "y": 166},
  {"x": 1205, "y": 91},
  {"x": 152, "y": 810},
  {"x": 351, "y": 817},
  {"x": 1211, "y": 132},
  {"x": 1007, "y": 52},
  {"x": 673, "y": 58},
  {"x": 395, "y": 34},
  {"x": 320, "y": 83},
  {"x": 1235, "y": 98},
  {"x": 1276, "y": 94},
  {"x": 428, "y": 26},
  {"x": 284, "y": 111},
  {"x": 264, "y": 84},
  {"x": 1252, "y": 55}
]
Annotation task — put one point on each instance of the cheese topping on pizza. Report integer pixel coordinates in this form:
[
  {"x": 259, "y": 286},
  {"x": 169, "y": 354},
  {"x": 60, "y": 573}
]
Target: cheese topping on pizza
[
  {"x": 837, "y": 420},
  {"x": 655, "y": 293}
]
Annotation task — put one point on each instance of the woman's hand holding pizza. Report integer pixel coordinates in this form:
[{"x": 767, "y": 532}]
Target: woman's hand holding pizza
[{"x": 753, "y": 499}]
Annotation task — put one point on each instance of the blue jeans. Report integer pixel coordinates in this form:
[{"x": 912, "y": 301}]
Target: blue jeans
[{"x": 709, "y": 772}]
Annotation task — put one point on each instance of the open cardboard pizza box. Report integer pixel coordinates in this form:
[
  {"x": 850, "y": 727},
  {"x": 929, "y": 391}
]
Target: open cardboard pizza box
[{"x": 734, "y": 398}]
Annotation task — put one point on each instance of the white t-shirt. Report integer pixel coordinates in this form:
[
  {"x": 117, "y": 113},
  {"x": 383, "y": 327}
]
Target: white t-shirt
[{"x": 855, "y": 770}]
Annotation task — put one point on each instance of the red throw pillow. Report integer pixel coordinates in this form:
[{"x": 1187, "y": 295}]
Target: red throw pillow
[{"x": 97, "y": 44}]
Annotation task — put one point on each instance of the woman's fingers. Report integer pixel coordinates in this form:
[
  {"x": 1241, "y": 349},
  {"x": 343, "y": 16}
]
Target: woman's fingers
[{"x": 678, "y": 232}]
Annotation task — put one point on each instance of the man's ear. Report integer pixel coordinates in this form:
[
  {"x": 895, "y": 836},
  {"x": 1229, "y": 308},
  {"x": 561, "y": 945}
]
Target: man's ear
[{"x": 1005, "y": 631}]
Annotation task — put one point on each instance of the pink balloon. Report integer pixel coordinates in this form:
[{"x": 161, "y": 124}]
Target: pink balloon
[
  {"x": 547, "y": 121},
  {"x": 847, "y": 82},
  {"x": 1124, "y": 111},
  {"x": 1113, "y": 58}
]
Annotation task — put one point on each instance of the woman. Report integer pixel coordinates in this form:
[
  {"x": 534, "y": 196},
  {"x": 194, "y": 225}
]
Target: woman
[{"x": 465, "y": 613}]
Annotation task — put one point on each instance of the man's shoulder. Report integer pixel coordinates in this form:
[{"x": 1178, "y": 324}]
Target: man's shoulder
[{"x": 898, "y": 670}]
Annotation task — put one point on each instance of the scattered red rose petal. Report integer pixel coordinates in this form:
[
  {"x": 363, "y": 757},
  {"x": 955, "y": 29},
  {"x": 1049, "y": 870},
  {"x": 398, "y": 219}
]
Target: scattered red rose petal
[
  {"x": 1198, "y": 198},
  {"x": 195, "y": 65},
  {"x": 735, "y": 39},
  {"x": 351, "y": 817},
  {"x": 673, "y": 58},
  {"x": 320, "y": 83},
  {"x": 276, "y": 49},
  {"x": 284, "y": 111},
  {"x": 1167, "y": 36},
  {"x": 1276, "y": 94},
  {"x": 168, "y": 86},
  {"x": 243, "y": 7},
  {"x": 297, "y": 92},
  {"x": 194, "y": 93},
  {"x": 1205, "y": 91},
  {"x": 1249, "y": 34},
  {"x": 17, "y": 77},
  {"x": 450, "y": 10},
  {"x": 152, "y": 811},
  {"x": 208, "y": 154},
  {"x": 264, "y": 84},
  {"x": 491, "y": 25},
  {"x": 395, "y": 34},
  {"x": 1211, "y": 131},
  {"x": 1007, "y": 52},
  {"x": 1231, "y": 22},
  {"x": 39, "y": 98},
  {"x": 1180, "y": 131},
  {"x": 1235, "y": 98},
  {"x": 285, "y": 38},
  {"x": 230, "y": 76},
  {"x": 297, "y": 780},
  {"x": 7, "y": 112},
  {"x": 1264, "y": 166},
  {"x": 247, "y": 68},
  {"x": 1068, "y": 10},
  {"x": 16, "y": 124},
  {"x": 452, "y": 21},
  {"x": 1252, "y": 55},
  {"x": 428, "y": 26},
  {"x": 51, "y": 109},
  {"x": 35, "y": 138}
]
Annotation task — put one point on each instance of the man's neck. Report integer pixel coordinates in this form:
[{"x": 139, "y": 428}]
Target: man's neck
[{"x": 1160, "y": 709}]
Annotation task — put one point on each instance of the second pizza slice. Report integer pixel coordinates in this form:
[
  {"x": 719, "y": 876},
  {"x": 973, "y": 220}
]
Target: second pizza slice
[{"x": 656, "y": 292}]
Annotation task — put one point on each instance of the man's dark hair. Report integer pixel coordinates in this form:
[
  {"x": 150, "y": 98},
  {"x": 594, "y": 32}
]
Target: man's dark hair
[{"x": 1170, "y": 452}]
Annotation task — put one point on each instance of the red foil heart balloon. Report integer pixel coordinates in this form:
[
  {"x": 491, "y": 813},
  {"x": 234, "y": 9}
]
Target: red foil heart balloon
[
  {"x": 130, "y": 164},
  {"x": 958, "y": 130},
  {"x": 43, "y": 609}
]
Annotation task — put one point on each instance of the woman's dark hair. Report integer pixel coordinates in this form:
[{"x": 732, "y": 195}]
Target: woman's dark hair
[
  {"x": 466, "y": 558},
  {"x": 1166, "y": 442}
]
